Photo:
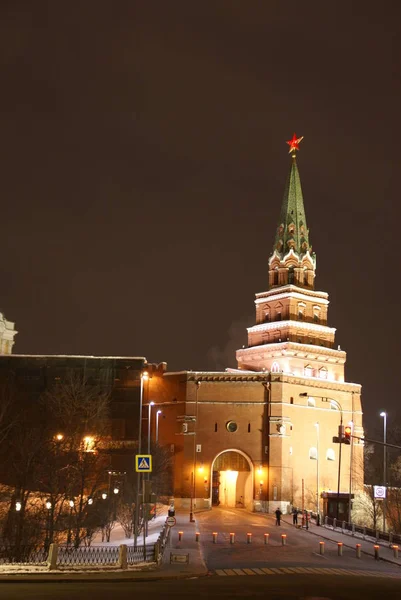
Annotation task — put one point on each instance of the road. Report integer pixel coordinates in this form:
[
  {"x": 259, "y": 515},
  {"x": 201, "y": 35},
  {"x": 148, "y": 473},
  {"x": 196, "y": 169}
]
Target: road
[
  {"x": 301, "y": 549},
  {"x": 294, "y": 571}
]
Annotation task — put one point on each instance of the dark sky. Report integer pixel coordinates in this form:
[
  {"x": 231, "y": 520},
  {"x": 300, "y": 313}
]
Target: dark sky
[{"x": 143, "y": 162}]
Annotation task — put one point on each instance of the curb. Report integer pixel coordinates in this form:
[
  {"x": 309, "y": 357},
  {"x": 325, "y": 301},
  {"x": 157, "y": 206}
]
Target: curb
[{"x": 88, "y": 579}]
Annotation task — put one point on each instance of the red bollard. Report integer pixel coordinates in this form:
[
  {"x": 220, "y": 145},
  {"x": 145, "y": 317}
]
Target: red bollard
[
  {"x": 214, "y": 537},
  {"x": 283, "y": 539},
  {"x": 197, "y": 534},
  {"x": 267, "y": 535},
  {"x": 377, "y": 548},
  {"x": 180, "y": 534},
  {"x": 232, "y": 538},
  {"x": 358, "y": 550},
  {"x": 321, "y": 547},
  {"x": 395, "y": 550},
  {"x": 249, "y": 538},
  {"x": 340, "y": 548}
]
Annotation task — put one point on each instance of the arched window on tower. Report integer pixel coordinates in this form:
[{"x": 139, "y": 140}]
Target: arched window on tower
[
  {"x": 291, "y": 275},
  {"x": 275, "y": 276},
  {"x": 275, "y": 368}
]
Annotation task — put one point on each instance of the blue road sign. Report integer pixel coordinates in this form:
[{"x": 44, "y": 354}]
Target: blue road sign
[{"x": 143, "y": 463}]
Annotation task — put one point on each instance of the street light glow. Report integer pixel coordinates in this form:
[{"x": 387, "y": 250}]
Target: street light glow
[
  {"x": 116, "y": 490},
  {"x": 383, "y": 414}
]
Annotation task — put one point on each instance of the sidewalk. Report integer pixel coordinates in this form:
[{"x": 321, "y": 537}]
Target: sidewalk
[
  {"x": 350, "y": 541},
  {"x": 187, "y": 547}
]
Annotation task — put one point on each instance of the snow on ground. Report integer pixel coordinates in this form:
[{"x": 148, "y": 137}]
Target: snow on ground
[
  {"x": 116, "y": 539},
  {"x": 117, "y": 536}
]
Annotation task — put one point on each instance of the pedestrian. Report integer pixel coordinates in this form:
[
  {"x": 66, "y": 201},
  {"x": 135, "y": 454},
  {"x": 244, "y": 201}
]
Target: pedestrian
[
  {"x": 295, "y": 516},
  {"x": 278, "y": 516}
]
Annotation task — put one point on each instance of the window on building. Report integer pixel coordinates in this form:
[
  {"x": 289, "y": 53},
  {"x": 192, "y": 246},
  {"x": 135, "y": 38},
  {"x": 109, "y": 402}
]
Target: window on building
[
  {"x": 330, "y": 455},
  {"x": 308, "y": 371},
  {"x": 215, "y": 427},
  {"x": 275, "y": 368},
  {"x": 291, "y": 275},
  {"x": 333, "y": 405},
  {"x": 316, "y": 318},
  {"x": 313, "y": 453},
  {"x": 311, "y": 401},
  {"x": 323, "y": 373},
  {"x": 249, "y": 428},
  {"x": 278, "y": 316},
  {"x": 300, "y": 315}
]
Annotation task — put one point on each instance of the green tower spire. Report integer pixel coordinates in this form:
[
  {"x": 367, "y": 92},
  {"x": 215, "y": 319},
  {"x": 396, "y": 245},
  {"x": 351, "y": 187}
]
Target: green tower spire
[
  {"x": 292, "y": 231},
  {"x": 292, "y": 260}
]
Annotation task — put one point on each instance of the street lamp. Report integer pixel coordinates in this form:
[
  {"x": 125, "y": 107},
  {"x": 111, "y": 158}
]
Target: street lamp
[
  {"x": 317, "y": 474},
  {"x": 158, "y": 413},
  {"x": 149, "y": 422},
  {"x": 338, "y": 405},
  {"x": 144, "y": 377},
  {"x": 384, "y": 415}
]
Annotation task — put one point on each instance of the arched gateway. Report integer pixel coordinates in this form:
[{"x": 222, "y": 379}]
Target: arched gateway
[{"x": 232, "y": 480}]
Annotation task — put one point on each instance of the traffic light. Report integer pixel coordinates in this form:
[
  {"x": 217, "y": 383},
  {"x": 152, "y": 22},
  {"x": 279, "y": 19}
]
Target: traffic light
[{"x": 347, "y": 434}]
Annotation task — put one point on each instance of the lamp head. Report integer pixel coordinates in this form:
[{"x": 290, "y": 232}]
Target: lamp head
[{"x": 383, "y": 414}]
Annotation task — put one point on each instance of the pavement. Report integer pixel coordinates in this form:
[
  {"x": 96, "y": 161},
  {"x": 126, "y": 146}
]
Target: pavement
[{"x": 327, "y": 534}]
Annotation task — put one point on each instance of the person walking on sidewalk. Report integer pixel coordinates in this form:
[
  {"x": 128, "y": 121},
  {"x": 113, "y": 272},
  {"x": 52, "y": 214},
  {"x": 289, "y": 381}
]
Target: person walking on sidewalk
[
  {"x": 278, "y": 516},
  {"x": 295, "y": 516}
]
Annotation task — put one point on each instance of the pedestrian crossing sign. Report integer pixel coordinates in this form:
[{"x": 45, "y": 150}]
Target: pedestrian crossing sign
[{"x": 143, "y": 463}]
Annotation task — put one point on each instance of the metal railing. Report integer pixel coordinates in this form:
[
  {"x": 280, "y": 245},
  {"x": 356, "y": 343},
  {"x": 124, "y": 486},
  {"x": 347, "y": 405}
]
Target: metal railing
[
  {"x": 23, "y": 555},
  {"x": 95, "y": 555},
  {"x": 363, "y": 531}
]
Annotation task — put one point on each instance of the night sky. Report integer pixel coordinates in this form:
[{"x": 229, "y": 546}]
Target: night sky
[{"x": 143, "y": 163}]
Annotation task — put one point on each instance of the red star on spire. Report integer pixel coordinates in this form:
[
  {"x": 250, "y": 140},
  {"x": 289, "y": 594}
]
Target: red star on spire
[{"x": 294, "y": 143}]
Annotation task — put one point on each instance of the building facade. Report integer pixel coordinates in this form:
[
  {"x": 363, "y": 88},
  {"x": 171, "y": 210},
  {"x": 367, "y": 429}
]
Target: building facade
[{"x": 261, "y": 435}]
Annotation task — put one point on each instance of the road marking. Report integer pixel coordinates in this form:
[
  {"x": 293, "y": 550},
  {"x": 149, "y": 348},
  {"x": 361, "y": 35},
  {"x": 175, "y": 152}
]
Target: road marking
[
  {"x": 258, "y": 571},
  {"x": 284, "y": 570},
  {"x": 268, "y": 571},
  {"x": 303, "y": 571}
]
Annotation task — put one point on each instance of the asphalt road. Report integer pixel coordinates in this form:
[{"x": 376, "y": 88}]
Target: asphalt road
[
  {"x": 301, "y": 549},
  {"x": 300, "y": 587},
  {"x": 273, "y": 571}
]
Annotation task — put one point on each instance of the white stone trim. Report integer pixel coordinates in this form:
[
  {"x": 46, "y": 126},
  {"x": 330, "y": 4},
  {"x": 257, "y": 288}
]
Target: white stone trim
[{"x": 295, "y": 324}]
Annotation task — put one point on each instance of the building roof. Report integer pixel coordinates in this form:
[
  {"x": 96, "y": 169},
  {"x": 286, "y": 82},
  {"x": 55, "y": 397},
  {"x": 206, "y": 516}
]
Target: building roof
[{"x": 292, "y": 231}]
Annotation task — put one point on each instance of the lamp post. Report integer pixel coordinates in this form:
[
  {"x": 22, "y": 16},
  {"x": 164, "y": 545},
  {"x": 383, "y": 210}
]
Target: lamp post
[
  {"x": 338, "y": 405},
  {"x": 149, "y": 422},
  {"x": 384, "y": 415},
  {"x": 317, "y": 474},
  {"x": 158, "y": 413},
  {"x": 144, "y": 377}
]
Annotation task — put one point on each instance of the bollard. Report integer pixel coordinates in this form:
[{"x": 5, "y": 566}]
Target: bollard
[
  {"x": 321, "y": 547},
  {"x": 358, "y": 550},
  {"x": 395, "y": 550},
  {"x": 283, "y": 539},
  {"x": 267, "y": 538},
  {"x": 180, "y": 534},
  {"x": 214, "y": 537},
  {"x": 376, "y": 548},
  {"x": 249, "y": 538},
  {"x": 232, "y": 538},
  {"x": 122, "y": 557},
  {"x": 197, "y": 534},
  {"x": 340, "y": 548}
]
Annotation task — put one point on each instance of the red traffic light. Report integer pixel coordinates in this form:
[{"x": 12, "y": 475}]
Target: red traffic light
[{"x": 347, "y": 434}]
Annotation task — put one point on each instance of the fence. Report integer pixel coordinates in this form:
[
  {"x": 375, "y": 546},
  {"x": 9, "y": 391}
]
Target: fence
[
  {"x": 362, "y": 531},
  {"x": 67, "y": 556}
]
